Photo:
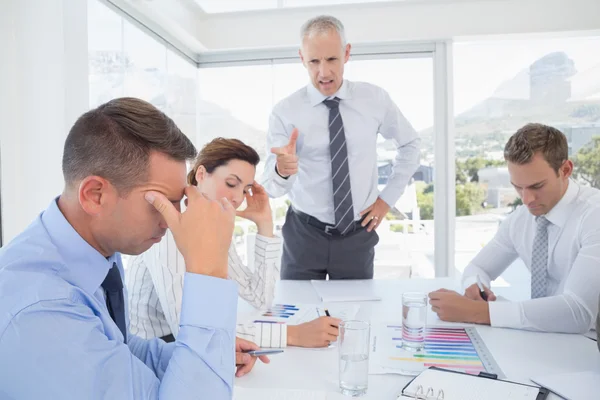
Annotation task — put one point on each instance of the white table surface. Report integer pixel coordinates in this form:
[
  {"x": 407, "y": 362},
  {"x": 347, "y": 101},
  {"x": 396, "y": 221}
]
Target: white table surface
[{"x": 519, "y": 354}]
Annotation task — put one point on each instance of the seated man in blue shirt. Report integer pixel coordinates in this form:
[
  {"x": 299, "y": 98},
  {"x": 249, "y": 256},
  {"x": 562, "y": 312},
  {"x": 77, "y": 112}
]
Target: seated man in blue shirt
[{"x": 63, "y": 326}]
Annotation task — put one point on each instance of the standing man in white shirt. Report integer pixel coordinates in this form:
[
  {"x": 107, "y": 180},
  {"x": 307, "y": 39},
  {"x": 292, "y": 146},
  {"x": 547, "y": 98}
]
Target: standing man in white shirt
[
  {"x": 556, "y": 232},
  {"x": 323, "y": 142}
]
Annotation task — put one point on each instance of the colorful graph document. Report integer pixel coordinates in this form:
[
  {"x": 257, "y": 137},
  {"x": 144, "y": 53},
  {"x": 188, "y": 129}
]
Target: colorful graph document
[
  {"x": 457, "y": 348},
  {"x": 295, "y": 314}
]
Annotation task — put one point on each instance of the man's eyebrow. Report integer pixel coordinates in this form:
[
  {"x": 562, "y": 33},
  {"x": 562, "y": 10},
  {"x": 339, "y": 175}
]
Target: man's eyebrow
[{"x": 533, "y": 184}]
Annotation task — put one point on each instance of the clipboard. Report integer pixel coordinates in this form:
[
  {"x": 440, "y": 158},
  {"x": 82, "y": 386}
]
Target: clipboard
[{"x": 439, "y": 391}]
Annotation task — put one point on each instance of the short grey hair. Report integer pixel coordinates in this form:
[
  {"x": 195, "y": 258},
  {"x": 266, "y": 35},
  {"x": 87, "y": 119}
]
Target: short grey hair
[{"x": 322, "y": 24}]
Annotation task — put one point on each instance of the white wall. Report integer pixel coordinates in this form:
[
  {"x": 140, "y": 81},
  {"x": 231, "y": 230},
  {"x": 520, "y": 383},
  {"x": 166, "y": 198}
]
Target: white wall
[
  {"x": 43, "y": 89},
  {"x": 403, "y": 21}
]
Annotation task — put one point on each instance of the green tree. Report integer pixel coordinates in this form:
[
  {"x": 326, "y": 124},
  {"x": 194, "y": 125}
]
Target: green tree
[
  {"x": 518, "y": 202},
  {"x": 425, "y": 202},
  {"x": 238, "y": 231},
  {"x": 280, "y": 212},
  {"x": 469, "y": 198},
  {"x": 587, "y": 163},
  {"x": 461, "y": 176}
]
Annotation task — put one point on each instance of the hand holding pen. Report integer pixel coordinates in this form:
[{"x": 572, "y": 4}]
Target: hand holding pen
[{"x": 479, "y": 291}]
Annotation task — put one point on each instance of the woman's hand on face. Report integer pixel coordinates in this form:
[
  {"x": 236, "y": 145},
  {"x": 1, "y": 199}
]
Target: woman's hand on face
[{"x": 258, "y": 209}]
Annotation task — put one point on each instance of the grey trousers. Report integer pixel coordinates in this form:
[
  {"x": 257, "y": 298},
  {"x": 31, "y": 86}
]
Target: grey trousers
[{"x": 310, "y": 253}]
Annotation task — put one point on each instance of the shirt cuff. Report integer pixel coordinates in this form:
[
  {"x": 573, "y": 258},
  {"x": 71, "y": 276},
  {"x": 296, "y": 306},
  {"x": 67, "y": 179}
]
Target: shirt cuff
[
  {"x": 505, "y": 314},
  {"x": 282, "y": 182},
  {"x": 470, "y": 280},
  {"x": 208, "y": 301},
  {"x": 268, "y": 247}
]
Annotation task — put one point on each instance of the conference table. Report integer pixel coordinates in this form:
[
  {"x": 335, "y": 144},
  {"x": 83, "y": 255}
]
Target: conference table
[{"x": 519, "y": 354}]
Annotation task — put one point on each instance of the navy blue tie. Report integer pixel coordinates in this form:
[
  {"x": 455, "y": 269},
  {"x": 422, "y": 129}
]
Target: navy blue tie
[{"x": 115, "y": 301}]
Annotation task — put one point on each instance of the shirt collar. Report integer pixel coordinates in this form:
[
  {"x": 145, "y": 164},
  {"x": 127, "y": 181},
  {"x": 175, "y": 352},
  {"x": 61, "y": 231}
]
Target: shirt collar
[
  {"x": 315, "y": 97},
  {"x": 561, "y": 211},
  {"x": 84, "y": 266}
]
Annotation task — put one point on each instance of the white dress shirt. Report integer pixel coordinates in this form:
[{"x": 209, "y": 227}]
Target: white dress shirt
[
  {"x": 155, "y": 278},
  {"x": 573, "y": 287},
  {"x": 366, "y": 110}
]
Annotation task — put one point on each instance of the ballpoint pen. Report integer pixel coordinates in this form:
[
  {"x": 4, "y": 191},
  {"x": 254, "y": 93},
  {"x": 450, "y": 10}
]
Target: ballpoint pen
[{"x": 482, "y": 292}]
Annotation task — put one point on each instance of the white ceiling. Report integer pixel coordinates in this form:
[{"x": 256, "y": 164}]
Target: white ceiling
[
  {"x": 225, "y": 6},
  {"x": 204, "y": 26}
]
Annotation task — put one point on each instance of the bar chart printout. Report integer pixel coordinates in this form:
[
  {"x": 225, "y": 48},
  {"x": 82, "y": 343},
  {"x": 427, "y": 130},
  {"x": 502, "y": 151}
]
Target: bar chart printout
[{"x": 456, "y": 348}]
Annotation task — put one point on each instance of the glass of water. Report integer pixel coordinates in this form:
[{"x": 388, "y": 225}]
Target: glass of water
[
  {"x": 354, "y": 342},
  {"x": 414, "y": 319}
]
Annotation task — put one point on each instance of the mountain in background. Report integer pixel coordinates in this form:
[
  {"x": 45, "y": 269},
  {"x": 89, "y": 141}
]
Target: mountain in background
[{"x": 550, "y": 90}]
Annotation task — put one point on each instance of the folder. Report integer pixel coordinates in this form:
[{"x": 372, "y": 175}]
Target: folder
[{"x": 441, "y": 384}]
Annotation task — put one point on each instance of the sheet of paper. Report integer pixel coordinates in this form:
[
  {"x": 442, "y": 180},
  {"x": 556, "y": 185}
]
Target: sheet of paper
[
  {"x": 345, "y": 312},
  {"x": 295, "y": 314},
  {"x": 345, "y": 290},
  {"x": 241, "y": 393},
  {"x": 572, "y": 385},
  {"x": 455, "y": 348}
]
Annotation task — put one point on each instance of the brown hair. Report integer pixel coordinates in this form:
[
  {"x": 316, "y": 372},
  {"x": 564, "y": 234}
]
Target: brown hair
[
  {"x": 534, "y": 138},
  {"x": 219, "y": 152},
  {"x": 115, "y": 140}
]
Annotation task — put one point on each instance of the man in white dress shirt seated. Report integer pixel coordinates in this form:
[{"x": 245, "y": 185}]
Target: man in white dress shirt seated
[
  {"x": 323, "y": 142},
  {"x": 556, "y": 233}
]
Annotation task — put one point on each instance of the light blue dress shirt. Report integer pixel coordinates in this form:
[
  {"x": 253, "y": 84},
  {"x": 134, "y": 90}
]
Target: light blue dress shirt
[
  {"x": 58, "y": 341},
  {"x": 367, "y": 110}
]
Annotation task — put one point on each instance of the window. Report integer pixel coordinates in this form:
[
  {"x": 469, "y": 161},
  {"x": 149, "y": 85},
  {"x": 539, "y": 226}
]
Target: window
[
  {"x": 235, "y": 102},
  {"x": 146, "y": 76},
  {"x": 499, "y": 87},
  {"x": 107, "y": 62},
  {"x": 126, "y": 61},
  {"x": 406, "y": 245},
  {"x": 241, "y": 107}
]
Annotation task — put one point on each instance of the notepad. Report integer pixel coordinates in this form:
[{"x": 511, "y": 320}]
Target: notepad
[
  {"x": 345, "y": 290},
  {"x": 435, "y": 384},
  {"x": 572, "y": 385},
  {"x": 241, "y": 393}
]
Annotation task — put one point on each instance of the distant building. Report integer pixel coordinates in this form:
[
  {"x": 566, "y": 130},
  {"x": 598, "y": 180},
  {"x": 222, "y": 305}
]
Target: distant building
[
  {"x": 578, "y": 135},
  {"x": 496, "y": 181},
  {"x": 423, "y": 174}
]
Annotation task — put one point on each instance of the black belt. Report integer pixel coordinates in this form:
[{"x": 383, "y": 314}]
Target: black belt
[{"x": 327, "y": 228}]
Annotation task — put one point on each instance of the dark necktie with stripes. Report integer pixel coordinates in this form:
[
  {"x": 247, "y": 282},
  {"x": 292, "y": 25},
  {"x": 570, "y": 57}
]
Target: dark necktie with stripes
[
  {"x": 115, "y": 302},
  {"x": 340, "y": 173}
]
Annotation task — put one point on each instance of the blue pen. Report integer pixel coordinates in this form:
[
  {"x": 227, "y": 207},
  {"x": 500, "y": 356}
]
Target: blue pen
[{"x": 263, "y": 352}]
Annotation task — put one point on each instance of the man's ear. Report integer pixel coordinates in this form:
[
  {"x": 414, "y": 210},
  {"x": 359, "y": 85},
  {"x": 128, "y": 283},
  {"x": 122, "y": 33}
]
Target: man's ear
[
  {"x": 94, "y": 194},
  {"x": 567, "y": 168},
  {"x": 347, "y": 52}
]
